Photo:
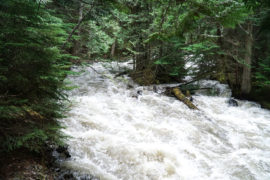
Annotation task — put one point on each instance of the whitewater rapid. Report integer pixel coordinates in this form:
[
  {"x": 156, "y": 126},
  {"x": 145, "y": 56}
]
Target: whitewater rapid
[{"x": 116, "y": 135}]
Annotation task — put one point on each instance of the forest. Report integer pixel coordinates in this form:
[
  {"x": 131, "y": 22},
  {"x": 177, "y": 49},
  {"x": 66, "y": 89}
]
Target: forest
[{"x": 167, "y": 40}]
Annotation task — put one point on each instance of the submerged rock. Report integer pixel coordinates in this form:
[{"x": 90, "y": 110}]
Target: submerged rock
[
  {"x": 72, "y": 175},
  {"x": 232, "y": 102},
  {"x": 139, "y": 92},
  {"x": 155, "y": 89},
  {"x": 62, "y": 152},
  {"x": 129, "y": 86}
]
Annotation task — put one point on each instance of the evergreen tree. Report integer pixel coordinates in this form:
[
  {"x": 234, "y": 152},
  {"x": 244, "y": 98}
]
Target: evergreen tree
[{"x": 31, "y": 75}]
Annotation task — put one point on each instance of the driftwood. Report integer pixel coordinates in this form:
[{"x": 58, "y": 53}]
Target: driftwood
[
  {"x": 186, "y": 91},
  {"x": 179, "y": 95}
]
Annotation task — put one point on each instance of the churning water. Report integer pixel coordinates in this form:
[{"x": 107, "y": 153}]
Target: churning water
[{"x": 116, "y": 135}]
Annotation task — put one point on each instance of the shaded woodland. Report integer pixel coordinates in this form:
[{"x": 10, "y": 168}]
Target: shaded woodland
[{"x": 224, "y": 40}]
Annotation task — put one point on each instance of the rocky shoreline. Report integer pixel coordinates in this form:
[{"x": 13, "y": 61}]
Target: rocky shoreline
[{"x": 25, "y": 165}]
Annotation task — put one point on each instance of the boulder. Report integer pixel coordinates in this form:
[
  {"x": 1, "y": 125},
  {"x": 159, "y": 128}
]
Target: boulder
[
  {"x": 139, "y": 92},
  {"x": 63, "y": 152},
  {"x": 232, "y": 102}
]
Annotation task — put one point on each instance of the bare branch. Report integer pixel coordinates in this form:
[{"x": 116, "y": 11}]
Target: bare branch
[
  {"x": 211, "y": 36},
  {"x": 241, "y": 27},
  {"x": 76, "y": 27}
]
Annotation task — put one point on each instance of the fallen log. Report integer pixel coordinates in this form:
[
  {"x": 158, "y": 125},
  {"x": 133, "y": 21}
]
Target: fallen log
[{"x": 179, "y": 95}]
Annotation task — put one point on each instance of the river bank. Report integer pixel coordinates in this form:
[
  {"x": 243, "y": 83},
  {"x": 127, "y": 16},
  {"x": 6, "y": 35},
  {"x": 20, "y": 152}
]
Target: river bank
[{"x": 25, "y": 165}]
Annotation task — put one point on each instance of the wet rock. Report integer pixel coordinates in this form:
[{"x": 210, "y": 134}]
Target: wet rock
[
  {"x": 61, "y": 149},
  {"x": 139, "y": 92},
  {"x": 87, "y": 177},
  {"x": 57, "y": 169},
  {"x": 72, "y": 175},
  {"x": 168, "y": 92},
  {"x": 232, "y": 102},
  {"x": 65, "y": 175},
  {"x": 129, "y": 86},
  {"x": 155, "y": 89},
  {"x": 134, "y": 96},
  {"x": 63, "y": 152}
]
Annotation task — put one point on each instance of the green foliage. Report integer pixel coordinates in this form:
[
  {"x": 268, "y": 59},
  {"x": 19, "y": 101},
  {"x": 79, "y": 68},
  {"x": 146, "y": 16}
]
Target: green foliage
[
  {"x": 98, "y": 30},
  {"x": 35, "y": 139},
  {"x": 32, "y": 70},
  {"x": 263, "y": 73},
  {"x": 98, "y": 41},
  {"x": 201, "y": 47},
  {"x": 261, "y": 78}
]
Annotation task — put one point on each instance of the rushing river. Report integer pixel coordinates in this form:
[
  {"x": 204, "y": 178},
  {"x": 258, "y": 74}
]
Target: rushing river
[{"x": 115, "y": 135}]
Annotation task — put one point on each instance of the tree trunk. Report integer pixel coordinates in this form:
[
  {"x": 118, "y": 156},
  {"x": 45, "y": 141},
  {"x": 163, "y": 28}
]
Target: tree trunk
[
  {"x": 141, "y": 56},
  {"x": 179, "y": 95},
  {"x": 222, "y": 61},
  {"x": 246, "y": 76},
  {"x": 76, "y": 48},
  {"x": 77, "y": 27},
  {"x": 113, "y": 48}
]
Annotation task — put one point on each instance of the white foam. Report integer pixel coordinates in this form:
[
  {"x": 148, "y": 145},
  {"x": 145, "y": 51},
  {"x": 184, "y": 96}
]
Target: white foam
[{"x": 117, "y": 136}]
